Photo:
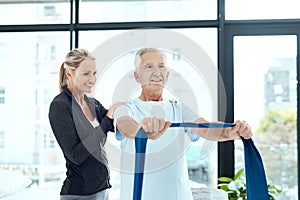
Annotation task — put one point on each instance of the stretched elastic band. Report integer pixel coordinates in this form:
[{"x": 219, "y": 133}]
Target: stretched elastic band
[
  {"x": 202, "y": 125},
  {"x": 256, "y": 184}
]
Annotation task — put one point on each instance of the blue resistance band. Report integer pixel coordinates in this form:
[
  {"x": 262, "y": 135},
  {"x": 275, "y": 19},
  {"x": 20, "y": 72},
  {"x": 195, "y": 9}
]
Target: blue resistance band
[{"x": 256, "y": 184}]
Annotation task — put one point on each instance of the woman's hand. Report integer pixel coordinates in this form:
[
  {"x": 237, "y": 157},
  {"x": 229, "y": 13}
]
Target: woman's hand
[{"x": 112, "y": 108}]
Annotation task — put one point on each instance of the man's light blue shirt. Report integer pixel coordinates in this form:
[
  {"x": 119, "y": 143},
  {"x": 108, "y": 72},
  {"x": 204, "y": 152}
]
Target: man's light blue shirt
[{"x": 166, "y": 171}]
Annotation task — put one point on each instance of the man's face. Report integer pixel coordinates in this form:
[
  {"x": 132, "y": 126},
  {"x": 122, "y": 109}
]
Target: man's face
[{"x": 153, "y": 71}]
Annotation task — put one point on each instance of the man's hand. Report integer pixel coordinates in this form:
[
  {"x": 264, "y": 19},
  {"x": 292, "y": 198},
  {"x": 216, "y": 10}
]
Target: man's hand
[
  {"x": 128, "y": 126},
  {"x": 243, "y": 129},
  {"x": 154, "y": 127}
]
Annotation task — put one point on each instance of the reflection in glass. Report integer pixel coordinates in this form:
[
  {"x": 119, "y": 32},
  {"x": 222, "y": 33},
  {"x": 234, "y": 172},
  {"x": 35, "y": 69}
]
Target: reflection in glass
[{"x": 265, "y": 90}]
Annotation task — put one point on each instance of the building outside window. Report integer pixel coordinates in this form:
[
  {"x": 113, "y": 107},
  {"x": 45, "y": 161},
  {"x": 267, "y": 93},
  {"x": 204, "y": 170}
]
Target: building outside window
[{"x": 2, "y": 95}]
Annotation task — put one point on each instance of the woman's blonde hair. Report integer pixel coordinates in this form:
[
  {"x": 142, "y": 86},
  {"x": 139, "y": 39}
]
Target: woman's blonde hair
[{"x": 72, "y": 62}]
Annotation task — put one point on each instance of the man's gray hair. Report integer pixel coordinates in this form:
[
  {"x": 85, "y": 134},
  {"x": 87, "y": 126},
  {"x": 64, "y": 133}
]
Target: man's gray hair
[{"x": 139, "y": 53}]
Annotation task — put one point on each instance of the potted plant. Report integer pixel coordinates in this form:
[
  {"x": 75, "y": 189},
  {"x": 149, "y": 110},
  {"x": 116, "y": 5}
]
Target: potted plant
[{"x": 236, "y": 187}]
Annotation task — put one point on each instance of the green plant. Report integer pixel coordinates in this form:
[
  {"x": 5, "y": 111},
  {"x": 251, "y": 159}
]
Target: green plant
[
  {"x": 278, "y": 126},
  {"x": 236, "y": 187}
]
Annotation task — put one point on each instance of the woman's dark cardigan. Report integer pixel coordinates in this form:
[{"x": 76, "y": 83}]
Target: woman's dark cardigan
[{"x": 81, "y": 143}]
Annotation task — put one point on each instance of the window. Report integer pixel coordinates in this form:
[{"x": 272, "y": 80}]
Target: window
[
  {"x": 269, "y": 103},
  {"x": 2, "y": 145},
  {"x": 49, "y": 10},
  {"x": 262, "y": 9},
  {"x": 149, "y": 10},
  {"x": 2, "y": 140},
  {"x": 52, "y": 53},
  {"x": 2, "y": 95},
  {"x": 277, "y": 86},
  {"x": 34, "y": 12},
  {"x": 30, "y": 97}
]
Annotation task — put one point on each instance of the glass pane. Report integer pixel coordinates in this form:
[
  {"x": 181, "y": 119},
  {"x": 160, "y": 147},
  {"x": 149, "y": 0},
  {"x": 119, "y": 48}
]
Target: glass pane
[
  {"x": 261, "y": 9},
  {"x": 35, "y": 13},
  {"x": 147, "y": 10},
  {"x": 29, "y": 65},
  {"x": 119, "y": 51},
  {"x": 265, "y": 90}
]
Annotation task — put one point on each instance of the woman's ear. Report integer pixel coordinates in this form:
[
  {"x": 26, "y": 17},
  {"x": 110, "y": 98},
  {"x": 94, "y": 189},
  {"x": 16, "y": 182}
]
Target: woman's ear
[{"x": 67, "y": 73}]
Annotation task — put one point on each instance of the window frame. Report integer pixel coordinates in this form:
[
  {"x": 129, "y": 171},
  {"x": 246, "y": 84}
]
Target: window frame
[{"x": 251, "y": 28}]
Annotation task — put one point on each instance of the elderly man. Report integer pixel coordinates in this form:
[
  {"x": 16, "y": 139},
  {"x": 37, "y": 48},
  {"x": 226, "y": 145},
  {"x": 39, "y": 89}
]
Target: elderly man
[{"x": 166, "y": 173}]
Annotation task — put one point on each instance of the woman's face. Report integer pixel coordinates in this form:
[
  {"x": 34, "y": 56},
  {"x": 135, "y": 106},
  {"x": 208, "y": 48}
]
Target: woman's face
[{"x": 84, "y": 77}]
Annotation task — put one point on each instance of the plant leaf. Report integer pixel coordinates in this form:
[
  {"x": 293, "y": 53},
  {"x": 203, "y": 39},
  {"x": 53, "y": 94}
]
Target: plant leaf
[
  {"x": 225, "y": 179},
  {"x": 239, "y": 173}
]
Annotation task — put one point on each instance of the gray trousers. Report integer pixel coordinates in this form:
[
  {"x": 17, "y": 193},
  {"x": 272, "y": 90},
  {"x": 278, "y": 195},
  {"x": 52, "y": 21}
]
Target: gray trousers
[{"x": 102, "y": 195}]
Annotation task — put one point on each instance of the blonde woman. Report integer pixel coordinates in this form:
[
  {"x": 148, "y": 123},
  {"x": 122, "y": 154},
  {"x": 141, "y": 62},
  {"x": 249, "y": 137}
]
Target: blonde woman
[{"x": 80, "y": 125}]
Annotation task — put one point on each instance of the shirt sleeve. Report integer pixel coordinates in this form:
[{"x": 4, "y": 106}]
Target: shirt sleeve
[
  {"x": 106, "y": 123},
  {"x": 119, "y": 136},
  {"x": 189, "y": 115}
]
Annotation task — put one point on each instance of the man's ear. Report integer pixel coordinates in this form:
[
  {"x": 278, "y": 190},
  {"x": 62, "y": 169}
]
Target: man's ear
[{"x": 136, "y": 76}]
